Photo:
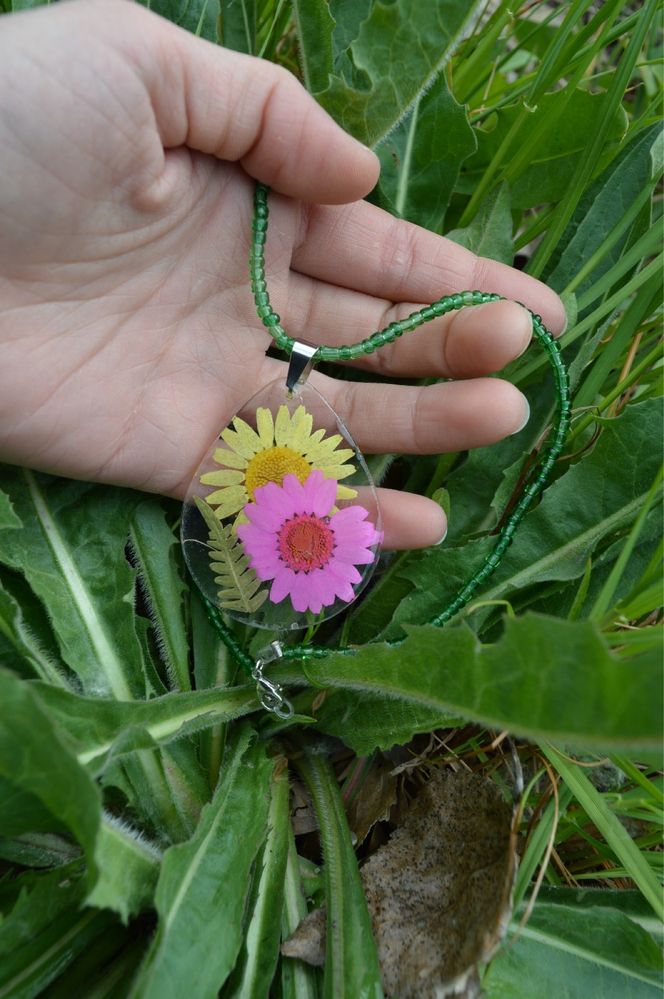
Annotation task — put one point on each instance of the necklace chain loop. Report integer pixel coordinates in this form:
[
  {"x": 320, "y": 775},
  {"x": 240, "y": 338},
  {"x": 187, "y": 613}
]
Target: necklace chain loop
[{"x": 302, "y": 354}]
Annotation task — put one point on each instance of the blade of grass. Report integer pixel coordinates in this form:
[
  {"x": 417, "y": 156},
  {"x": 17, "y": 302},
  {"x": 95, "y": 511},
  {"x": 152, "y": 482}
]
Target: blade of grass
[
  {"x": 651, "y": 358},
  {"x": 610, "y": 827},
  {"x": 606, "y": 594},
  {"x": 641, "y": 306},
  {"x": 152, "y": 542},
  {"x": 298, "y": 980},
  {"x": 253, "y": 974},
  {"x": 589, "y": 161},
  {"x": 644, "y": 247},
  {"x": 542, "y": 79},
  {"x": 525, "y": 371},
  {"x": 351, "y": 961}
]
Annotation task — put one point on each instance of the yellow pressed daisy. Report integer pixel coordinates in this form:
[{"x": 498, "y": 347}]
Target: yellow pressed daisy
[{"x": 277, "y": 447}]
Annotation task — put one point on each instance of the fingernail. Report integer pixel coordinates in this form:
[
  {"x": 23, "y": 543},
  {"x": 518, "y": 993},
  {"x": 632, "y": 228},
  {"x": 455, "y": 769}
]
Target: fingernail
[
  {"x": 525, "y": 418},
  {"x": 527, "y": 333},
  {"x": 442, "y": 539}
]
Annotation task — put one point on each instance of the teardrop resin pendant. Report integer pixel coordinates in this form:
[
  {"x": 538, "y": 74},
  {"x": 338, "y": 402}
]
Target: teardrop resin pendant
[{"x": 281, "y": 526}]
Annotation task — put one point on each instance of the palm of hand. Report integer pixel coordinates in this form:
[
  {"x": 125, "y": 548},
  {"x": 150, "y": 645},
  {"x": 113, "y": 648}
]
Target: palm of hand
[
  {"x": 131, "y": 330},
  {"x": 127, "y": 328}
]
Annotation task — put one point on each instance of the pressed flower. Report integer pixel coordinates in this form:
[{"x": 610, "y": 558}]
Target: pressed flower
[
  {"x": 308, "y": 551},
  {"x": 279, "y": 447}
]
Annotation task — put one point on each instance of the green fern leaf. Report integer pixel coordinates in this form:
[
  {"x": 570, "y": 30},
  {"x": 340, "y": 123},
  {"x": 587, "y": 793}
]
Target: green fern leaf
[{"x": 240, "y": 588}]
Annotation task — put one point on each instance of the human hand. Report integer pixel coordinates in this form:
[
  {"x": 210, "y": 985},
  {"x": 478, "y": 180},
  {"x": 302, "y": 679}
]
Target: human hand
[{"x": 128, "y": 335}]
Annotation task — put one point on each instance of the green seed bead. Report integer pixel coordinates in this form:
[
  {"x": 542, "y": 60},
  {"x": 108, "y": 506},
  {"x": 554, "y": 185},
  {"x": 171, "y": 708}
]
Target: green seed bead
[
  {"x": 439, "y": 308},
  {"x": 457, "y": 301},
  {"x": 467, "y": 297},
  {"x": 272, "y": 320},
  {"x": 345, "y": 353}
]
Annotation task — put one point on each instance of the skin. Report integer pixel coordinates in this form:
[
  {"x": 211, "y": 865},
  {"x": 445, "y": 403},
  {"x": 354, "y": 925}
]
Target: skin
[{"x": 128, "y": 335}]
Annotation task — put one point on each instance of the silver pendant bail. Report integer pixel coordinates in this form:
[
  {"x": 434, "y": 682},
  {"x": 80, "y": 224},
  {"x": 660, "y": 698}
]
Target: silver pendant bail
[{"x": 301, "y": 363}]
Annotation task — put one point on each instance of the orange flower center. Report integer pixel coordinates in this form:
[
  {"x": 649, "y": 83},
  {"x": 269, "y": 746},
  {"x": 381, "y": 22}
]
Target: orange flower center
[{"x": 305, "y": 543}]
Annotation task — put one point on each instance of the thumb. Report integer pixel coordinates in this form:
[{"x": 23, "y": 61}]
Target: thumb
[{"x": 247, "y": 110}]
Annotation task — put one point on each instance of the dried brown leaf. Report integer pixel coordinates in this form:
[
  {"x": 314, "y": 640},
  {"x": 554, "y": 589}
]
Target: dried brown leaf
[
  {"x": 374, "y": 800},
  {"x": 438, "y": 892}
]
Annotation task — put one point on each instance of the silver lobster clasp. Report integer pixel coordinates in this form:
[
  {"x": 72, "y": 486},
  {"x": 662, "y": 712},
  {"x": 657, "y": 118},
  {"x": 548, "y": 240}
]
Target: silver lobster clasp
[{"x": 269, "y": 693}]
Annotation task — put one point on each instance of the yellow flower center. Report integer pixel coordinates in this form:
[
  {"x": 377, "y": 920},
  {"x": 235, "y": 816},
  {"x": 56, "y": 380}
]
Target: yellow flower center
[{"x": 272, "y": 465}]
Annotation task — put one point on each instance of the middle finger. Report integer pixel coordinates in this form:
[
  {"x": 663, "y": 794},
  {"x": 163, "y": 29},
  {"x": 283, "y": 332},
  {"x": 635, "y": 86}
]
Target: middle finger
[{"x": 477, "y": 340}]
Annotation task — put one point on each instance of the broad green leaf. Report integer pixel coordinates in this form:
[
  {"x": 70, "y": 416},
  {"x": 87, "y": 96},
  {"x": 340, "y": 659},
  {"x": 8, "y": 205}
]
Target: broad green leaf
[
  {"x": 366, "y": 722},
  {"x": 348, "y": 15},
  {"x": 23, "y": 812},
  {"x": 197, "y": 16},
  {"x": 203, "y": 883},
  {"x": 564, "y": 951},
  {"x": 143, "y": 778},
  {"x": 40, "y": 850},
  {"x": 19, "y": 645},
  {"x": 597, "y": 497},
  {"x": 422, "y": 156},
  {"x": 602, "y": 207},
  {"x": 351, "y": 961},
  {"x": 39, "y": 760},
  {"x": 71, "y": 551},
  {"x": 105, "y": 963},
  {"x": 254, "y": 971},
  {"x": 45, "y": 931},
  {"x": 128, "y": 867},
  {"x": 629, "y": 901},
  {"x": 399, "y": 51},
  {"x": 544, "y": 678},
  {"x": 314, "y": 25},
  {"x": 152, "y": 542},
  {"x": 8, "y": 516},
  {"x": 237, "y": 25},
  {"x": 96, "y": 727},
  {"x": 490, "y": 232},
  {"x": 545, "y": 179}
]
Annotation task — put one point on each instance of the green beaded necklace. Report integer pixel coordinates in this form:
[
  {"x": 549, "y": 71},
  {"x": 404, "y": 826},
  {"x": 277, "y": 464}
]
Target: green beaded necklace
[{"x": 270, "y": 693}]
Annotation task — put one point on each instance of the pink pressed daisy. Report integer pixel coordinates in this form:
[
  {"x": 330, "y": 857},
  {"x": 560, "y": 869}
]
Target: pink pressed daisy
[{"x": 308, "y": 552}]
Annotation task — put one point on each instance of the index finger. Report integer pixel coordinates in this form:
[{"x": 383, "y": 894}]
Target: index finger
[{"x": 362, "y": 247}]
